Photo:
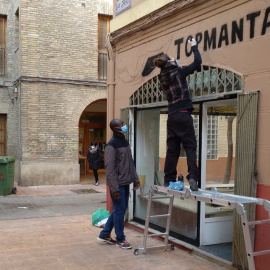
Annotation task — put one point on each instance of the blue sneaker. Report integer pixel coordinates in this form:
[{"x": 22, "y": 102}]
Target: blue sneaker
[
  {"x": 124, "y": 244},
  {"x": 106, "y": 239}
]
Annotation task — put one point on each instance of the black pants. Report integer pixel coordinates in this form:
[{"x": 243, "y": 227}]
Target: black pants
[
  {"x": 96, "y": 175},
  {"x": 180, "y": 129}
]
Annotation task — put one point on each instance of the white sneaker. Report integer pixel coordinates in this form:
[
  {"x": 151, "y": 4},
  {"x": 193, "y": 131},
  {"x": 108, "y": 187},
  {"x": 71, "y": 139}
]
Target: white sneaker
[{"x": 96, "y": 184}]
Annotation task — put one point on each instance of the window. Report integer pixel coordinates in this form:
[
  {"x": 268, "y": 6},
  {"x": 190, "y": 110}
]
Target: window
[
  {"x": 3, "y": 124},
  {"x": 2, "y": 45},
  {"x": 103, "y": 30},
  {"x": 212, "y": 132}
]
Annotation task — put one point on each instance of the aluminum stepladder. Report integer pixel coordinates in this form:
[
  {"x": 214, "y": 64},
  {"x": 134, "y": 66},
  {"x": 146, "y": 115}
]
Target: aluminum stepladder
[
  {"x": 233, "y": 201},
  {"x": 147, "y": 220}
]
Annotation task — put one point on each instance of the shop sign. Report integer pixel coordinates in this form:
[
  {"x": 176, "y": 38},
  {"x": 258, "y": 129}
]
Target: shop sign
[
  {"x": 228, "y": 33},
  {"x": 217, "y": 37},
  {"x": 122, "y": 5}
]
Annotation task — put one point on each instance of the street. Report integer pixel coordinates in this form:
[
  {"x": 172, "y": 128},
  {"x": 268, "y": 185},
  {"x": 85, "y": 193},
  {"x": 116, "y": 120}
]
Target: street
[{"x": 49, "y": 227}]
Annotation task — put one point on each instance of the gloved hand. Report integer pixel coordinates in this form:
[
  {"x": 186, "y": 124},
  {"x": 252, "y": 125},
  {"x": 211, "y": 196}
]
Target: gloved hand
[
  {"x": 192, "y": 42},
  {"x": 116, "y": 196},
  {"x": 136, "y": 185}
]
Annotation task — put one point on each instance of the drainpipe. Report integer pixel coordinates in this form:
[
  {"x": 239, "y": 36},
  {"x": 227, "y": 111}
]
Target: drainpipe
[
  {"x": 110, "y": 102},
  {"x": 110, "y": 85}
]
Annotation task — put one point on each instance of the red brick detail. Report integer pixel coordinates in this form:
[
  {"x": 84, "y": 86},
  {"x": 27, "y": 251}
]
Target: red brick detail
[{"x": 262, "y": 232}]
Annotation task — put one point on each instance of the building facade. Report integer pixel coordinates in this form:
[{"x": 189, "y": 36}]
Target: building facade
[
  {"x": 53, "y": 67},
  {"x": 230, "y": 96}
]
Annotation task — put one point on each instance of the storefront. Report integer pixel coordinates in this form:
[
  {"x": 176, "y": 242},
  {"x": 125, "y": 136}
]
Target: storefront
[{"x": 230, "y": 94}]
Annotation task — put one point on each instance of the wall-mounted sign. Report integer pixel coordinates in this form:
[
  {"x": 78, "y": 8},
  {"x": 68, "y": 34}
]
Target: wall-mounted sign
[
  {"x": 221, "y": 36},
  {"x": 121, "y": 5}
]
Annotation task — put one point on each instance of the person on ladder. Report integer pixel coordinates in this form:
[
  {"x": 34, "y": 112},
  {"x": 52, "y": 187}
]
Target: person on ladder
[{"x": 180, "y": 128}]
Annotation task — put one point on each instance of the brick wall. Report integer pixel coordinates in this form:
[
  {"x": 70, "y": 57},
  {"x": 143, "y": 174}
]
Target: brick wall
[
  {"x": 59, "y": 38},
  {"x": 50, "y": 116},
  {"x": 8, "y": 104},
  {"x": 53, "y": 51}
]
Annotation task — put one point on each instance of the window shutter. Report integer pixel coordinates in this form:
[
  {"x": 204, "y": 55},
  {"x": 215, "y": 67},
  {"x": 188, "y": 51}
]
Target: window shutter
[
  {"x": 102, "y": 34},
  {"x": 3, "y": 133},
  {"x": 2, "y": 46},
  {"x": 1, "y": 32},
  {"x": 245, "y": 176}
]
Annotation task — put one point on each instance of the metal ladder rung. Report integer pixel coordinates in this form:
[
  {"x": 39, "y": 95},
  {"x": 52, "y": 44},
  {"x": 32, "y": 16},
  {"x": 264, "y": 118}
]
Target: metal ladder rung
[
  {"x": 157, "y": 234},
  {"x": 161, "y": 197},
  {"x": 165, "y": 246},
  {"x": 233, "y": 201},
  {"x": 256, "y": 222},
  {"x": 263, "y": 252},
  {"x": 160, "y": 216}
]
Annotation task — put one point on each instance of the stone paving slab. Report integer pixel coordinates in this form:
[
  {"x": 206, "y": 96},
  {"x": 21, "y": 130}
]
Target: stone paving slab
[
  {"x": 52, "y": 229},
  {"x": 69, "y": 242},
  {"x": 17, "y": 207}
]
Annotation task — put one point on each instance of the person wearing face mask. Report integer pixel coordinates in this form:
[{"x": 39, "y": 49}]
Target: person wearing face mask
[
  {"x": 94, "y": 157},
  {"x": 180, "y": 127},
  {"x": 120, "y": 173}
]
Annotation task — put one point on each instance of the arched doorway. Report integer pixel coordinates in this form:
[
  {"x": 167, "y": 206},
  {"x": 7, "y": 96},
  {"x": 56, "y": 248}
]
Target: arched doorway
[{"x": 92, "y": 127}]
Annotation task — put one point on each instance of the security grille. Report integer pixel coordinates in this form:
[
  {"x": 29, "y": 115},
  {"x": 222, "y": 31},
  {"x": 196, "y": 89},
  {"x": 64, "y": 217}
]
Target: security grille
[
  {"x": 150, "y": 92},
  {"x": 211, "y": 81},
  {"x": 208, "y": 82}
]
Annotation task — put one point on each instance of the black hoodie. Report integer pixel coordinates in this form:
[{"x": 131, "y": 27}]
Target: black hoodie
[{"x": 174, "y": 84}]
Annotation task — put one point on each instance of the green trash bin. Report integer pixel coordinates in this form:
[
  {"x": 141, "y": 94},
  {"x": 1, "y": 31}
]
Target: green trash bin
[{"x": 7, "y": 175}]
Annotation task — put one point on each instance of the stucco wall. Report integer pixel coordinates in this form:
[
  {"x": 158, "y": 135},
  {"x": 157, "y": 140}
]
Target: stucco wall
[
  {"x": 240, "y": 49},
  {"x": 137, "y": 10}
]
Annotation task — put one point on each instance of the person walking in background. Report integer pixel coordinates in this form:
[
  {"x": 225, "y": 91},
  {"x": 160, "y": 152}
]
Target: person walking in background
[
  {"x": 94, "y": 157},
  {"x": 120, "y": 173},
  {"x": 180, "y": 128}
]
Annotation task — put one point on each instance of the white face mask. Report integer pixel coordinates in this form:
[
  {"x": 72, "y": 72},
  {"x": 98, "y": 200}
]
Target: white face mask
[
  {"x": 174, "y": 60},
  {"x": 92, "y": 146}
]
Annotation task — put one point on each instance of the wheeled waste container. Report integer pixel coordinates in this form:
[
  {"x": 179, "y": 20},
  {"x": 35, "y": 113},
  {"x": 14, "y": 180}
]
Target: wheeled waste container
[{"x": 7, "y": 175}]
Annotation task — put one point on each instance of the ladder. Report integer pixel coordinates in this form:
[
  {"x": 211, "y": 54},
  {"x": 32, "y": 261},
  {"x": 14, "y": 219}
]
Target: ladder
[{"x": 233, "y": 201}]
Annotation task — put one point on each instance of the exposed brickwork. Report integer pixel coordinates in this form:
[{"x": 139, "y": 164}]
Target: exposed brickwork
[
  {"x": 8, "y": 105},
  {"x": 52, "y": 50}
]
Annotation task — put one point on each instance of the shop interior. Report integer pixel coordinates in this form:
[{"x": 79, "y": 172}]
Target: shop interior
[{"x": 193, "y": 222}]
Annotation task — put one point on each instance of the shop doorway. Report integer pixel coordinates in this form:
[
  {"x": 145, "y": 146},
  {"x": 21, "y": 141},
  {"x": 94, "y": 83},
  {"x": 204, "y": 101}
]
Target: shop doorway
[
  {"x": 150, "y": 158},
  {"x": 92, "y": 127},
  {"x": 218, "y": 168},
  {"x": 214, "y": 92},
  {"x": 215, "y": 128}
]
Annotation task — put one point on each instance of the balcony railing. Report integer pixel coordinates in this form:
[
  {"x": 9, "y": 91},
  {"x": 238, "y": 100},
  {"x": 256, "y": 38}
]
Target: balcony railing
[{"x": 2, "y": 61}]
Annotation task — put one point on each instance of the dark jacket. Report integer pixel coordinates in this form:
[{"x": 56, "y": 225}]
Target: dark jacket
[
  {"x": 174, "y": 84},
  {"x": 94, "y": 159},
  {"x": 119, "y": 164}
]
